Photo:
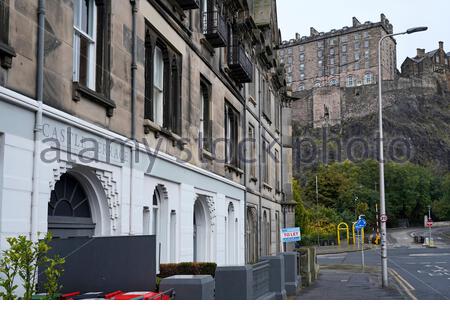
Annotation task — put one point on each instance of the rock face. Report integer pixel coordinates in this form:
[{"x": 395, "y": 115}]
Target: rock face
[{"x": 335, "y": 124}]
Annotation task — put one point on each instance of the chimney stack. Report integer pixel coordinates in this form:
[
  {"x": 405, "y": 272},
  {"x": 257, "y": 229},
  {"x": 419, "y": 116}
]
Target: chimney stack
[
  {"x": 441, "y": 45},
  {"x": 420, "y": 53},
  {"x": 314, "y": 32},
  {"x": 356, "y": 22},
  {"x": 297, "y": 36}
]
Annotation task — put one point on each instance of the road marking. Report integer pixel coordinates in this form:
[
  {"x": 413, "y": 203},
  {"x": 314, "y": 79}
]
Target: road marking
[
  {"x": 430, "y": 255},
  {"x": 407, "y": 287}
]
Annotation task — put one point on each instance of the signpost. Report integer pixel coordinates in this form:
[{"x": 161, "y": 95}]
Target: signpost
[
  {"x": 360, "y": 225},
  {"x": 289, "y": 235}
]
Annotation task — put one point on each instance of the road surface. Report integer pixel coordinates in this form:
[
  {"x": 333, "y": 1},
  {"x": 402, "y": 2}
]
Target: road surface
[{"x": 424, "y": 272}]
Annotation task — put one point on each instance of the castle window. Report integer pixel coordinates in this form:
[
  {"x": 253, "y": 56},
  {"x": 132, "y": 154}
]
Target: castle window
[
  {"x": 350, "y": 81},
  {"x": 333, "y": 82},
  {"x": 366, "y": 44},
  {"x": 344, "y": 48},
  {"x": 368, "y": 78},
  {"x": 301, "y": 87},
  {"x": 302, "y": 57},
  {"x": 302, "y": 48}
]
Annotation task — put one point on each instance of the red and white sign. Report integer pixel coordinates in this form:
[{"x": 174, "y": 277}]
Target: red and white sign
[
  {"x": 430, "y": 223},
  {"x": 384, "y": 218}
]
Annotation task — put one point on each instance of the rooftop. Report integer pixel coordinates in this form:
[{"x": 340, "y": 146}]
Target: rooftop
[{"x": 356, "y": 26}]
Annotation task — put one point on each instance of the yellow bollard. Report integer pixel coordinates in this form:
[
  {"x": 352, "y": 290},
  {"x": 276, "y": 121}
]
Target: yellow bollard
[{"x": 343, "y": 227}]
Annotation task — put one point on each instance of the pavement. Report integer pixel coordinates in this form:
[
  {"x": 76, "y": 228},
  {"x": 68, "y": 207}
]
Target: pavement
[
  {"x": 341, "y": 284},
  {"x": 416, "y": 272}
]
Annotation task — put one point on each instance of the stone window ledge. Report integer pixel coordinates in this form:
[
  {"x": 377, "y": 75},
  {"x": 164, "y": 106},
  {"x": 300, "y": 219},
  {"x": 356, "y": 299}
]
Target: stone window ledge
[
  {"x": 254, "y": 180},
  {"x": 7, "y": 53},
  {"x": 150, "y": 126},
  {"x": 233, "y": 168},
  {"x": 252, "y": 101},
  {"x": 267, "y": 187},
  {"x": 207, "y": 155},
  {"x": 80, "y": 90}
]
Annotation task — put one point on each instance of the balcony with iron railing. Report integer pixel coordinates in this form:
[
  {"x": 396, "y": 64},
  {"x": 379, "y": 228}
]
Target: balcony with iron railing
[
  {"x": 188, "y": 4},
  {"x": 240, "y": 65},
  {"x": 215, "y": 29}
]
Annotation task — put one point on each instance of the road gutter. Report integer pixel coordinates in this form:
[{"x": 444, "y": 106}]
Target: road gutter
[{"x": 404, "y": 285}]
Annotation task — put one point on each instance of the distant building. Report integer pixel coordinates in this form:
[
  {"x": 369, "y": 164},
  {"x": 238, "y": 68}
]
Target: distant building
[
  {"x": 436, "y": 61},
  {"x": 339, "y": 58}
]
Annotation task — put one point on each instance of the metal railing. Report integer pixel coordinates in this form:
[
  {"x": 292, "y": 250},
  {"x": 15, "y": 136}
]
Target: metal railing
[
  {"x": 239, "y": 63},
  {"x": 214, "y": 28}
]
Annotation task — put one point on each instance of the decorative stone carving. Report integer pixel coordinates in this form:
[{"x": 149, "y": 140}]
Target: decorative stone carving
[
  {"x": 62, "y": 168},
  {"x": 112, "y": 195}
]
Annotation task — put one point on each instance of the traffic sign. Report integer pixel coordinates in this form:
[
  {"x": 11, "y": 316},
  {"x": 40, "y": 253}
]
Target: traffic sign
[
  {"x": 430, "y": 223},
  {"x": 360, "y": 224},
  {"x": 384, "y": 218}
]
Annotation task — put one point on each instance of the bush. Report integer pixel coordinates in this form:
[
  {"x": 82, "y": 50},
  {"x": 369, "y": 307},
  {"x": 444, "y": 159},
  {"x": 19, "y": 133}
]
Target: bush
[{"x": 187, "y": 268}]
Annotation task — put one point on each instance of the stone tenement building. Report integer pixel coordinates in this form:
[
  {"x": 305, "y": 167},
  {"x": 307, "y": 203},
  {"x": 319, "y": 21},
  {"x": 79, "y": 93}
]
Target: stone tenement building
[
  {"x": 339, "y": 58},
  {"x": 433, "y": 63},
  {"x": 190, "y": 81}
]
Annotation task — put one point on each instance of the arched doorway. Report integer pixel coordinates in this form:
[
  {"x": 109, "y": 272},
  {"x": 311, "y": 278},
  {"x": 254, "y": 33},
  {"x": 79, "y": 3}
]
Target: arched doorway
[
  {"x": 201, "y": 232},
  {"x": 69, "y": 210}
]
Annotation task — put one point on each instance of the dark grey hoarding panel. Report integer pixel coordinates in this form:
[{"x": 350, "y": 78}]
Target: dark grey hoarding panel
[{"x": 106, "y": 264}]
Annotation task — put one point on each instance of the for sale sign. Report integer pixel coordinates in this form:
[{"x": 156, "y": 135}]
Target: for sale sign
[{"x": 291, "y": 235}]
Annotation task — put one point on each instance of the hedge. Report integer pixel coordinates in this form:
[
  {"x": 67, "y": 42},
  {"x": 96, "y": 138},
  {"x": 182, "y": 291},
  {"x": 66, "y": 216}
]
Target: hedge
[{"x": 187, "y": 268}]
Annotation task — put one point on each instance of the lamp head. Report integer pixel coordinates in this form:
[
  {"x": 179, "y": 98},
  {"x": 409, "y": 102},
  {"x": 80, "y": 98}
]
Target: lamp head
[{"x": 417, "y": 29}]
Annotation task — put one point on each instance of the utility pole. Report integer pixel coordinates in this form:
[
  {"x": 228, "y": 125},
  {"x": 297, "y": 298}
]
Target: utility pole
[
  {"x": 429, "y": 226},
  {"x": 381, "y": 156}
]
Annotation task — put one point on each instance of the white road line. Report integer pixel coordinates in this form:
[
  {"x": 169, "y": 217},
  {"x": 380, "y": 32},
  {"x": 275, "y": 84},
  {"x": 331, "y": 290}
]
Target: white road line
[{"x": 430, "y": 255}]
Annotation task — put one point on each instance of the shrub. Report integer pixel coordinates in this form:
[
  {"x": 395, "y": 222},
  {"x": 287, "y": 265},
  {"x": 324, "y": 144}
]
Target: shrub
[{"x": 187, "y": 268}]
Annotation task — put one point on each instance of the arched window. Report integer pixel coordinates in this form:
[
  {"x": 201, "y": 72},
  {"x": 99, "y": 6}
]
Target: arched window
[
  {"x": 232, "y": 236},
  {"x": 69, "y": 211},
  {"x": 317, "y": 84},
  {"x": 368, "y": 78}
]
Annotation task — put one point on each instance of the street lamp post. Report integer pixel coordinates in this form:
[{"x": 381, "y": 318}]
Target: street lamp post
[{"x": 381, "y": 155}]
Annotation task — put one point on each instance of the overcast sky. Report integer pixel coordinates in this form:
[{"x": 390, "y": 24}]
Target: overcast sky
[{"x": 299, "y": 15}]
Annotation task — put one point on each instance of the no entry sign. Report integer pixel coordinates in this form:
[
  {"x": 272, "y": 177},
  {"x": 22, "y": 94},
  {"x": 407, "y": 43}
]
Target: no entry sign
[{"x": 291, "y": 235}]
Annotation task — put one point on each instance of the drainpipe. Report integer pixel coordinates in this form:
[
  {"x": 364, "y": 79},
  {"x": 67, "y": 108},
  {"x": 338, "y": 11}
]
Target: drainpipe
[
  {"x": 38, "y": 121},
  {"x": 134, "y": 11},
  {"x": 283, "y": 207},
  {"x": 260, "y": 218}
]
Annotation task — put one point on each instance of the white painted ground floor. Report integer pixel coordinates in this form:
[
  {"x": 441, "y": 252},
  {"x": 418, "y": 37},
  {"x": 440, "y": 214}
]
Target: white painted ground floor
[
  {"x": 91, "y": 184},
  {"x": 196, "y": 215}
]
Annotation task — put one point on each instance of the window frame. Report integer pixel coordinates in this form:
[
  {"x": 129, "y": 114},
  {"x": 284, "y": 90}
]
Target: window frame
[
  {"x": 172, "y": 104},
  {"x": 232, "y": 118},
  {"x": 205, "y": 106},
  {"x": 6, "y": 51},
  {"x": 90, "y": 38},
  {"x": 252, "y": 141}
]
